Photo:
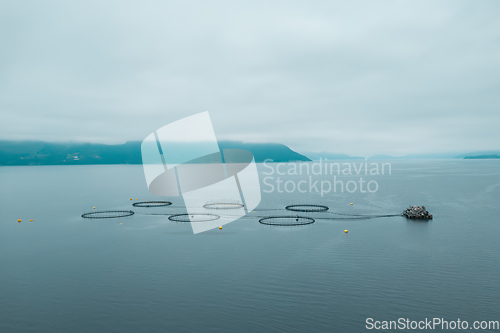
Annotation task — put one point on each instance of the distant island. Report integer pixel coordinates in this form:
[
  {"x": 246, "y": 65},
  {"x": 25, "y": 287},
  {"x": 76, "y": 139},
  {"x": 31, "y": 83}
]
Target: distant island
[
  {"x": 481, "y": 157},
  {"x": 331, "y": 156},
  {"x": 49, "y": 153},
  {"x": 478, "y": 155}
]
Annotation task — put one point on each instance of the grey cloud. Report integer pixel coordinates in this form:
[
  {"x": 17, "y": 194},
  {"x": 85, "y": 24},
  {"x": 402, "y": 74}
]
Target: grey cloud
[{"x": 358, "y": 77}]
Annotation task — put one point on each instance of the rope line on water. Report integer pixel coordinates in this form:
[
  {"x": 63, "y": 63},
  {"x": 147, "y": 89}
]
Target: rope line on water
[{"x": 263, "y": 219}]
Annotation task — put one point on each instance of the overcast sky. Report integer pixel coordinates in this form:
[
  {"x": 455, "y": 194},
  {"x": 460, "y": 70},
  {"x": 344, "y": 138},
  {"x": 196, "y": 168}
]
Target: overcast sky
[{"x": 355, "y": 77}]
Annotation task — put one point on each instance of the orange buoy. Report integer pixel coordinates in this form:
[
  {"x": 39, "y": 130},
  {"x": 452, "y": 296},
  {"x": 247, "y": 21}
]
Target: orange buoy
[
  {"x": 19, "y": 220},
  {"x": 31, "y": 220}
]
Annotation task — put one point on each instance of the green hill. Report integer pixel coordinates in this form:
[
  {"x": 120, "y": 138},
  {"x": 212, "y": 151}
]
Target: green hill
[{"x": 47, "y": 153}]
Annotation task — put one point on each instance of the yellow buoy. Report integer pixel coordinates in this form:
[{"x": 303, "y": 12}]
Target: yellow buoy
[
  {"x": 93, "y": 207},
  {"x": 121, "y": 223},
  {"x": 31, "y": 220},
  {"x": 346, "y": 231},
  {"x": 220, "y": 227},
  {"x": 352, "y": 204},
  {"x": 131, "y": 199},
  {"x": 19, "y": 220},
  {"x": 137, "y": 199}
]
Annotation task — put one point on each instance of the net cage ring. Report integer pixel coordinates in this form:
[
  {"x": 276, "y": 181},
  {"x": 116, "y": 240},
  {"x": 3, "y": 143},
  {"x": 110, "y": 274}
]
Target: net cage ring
[
  {"x": 108, "y": 214},
  {"x": 307, "y": 208},
  {"x": 198, "y": 217},
  {"x": 223, "y": 205},
  {"x": 151, "y": 204},
  {"x": 286, "y": 220}
]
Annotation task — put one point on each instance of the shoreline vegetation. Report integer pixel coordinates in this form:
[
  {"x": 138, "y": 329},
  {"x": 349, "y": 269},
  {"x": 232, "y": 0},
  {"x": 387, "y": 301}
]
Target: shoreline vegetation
[{"x": 14, "y": 153}]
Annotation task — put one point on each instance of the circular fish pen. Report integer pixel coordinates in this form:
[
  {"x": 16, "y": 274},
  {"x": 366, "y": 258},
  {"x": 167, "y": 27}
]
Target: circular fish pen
[
  {"x": 108, "y": 214},
  {"x": 286, "y": 221},
  {"x": 193, "y": 217},
  {"x": 223, "y": 206},
  {"x": 152, "y": 204},
  {"x": 307, "y": 208}
]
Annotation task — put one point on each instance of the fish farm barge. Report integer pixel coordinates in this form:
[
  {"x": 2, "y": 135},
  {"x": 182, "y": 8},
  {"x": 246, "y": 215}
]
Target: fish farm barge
[{"x": 417, "y": 212}]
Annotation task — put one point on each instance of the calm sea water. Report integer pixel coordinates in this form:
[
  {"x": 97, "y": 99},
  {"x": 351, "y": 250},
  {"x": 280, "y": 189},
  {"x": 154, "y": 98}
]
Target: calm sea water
[{"x": 62, "y": 273}]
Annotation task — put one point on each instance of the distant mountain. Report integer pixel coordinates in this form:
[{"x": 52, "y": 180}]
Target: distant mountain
[
  {"x": 331, "y": 156},
  {"x": 414, "y": 156},
  {"x": 262, "y": 151},
  {"x": 481, "y": 157},
  {"x": 382, "y": 157},
  {"x": 430, "y": 155},
  {"x": 47, "y": 153}
]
